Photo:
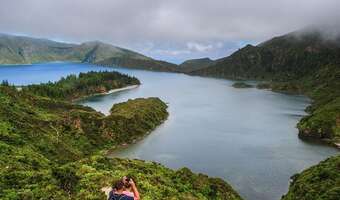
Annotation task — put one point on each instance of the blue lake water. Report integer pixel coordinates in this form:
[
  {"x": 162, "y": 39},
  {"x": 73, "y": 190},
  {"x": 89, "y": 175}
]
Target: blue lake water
[{"x": 245, "y": 136}]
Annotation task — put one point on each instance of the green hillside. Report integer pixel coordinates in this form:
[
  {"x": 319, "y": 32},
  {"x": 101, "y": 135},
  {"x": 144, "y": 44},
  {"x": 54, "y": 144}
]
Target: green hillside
[
  {"x": 22, "y": 50},
  {"x": 26, "y": 50},
  {"x": 52, "y": 149},
  {"x": 302, "y": 62}
]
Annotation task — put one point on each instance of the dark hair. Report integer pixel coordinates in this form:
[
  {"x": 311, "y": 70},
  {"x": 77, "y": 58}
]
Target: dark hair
[
  {"x": 127, "y": 182},
  {"x": 118, "y": 185}
]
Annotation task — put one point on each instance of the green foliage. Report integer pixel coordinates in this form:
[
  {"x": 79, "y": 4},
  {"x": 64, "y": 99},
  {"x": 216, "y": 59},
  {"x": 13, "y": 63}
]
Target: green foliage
[
  {"x": 324, "y": 122},
  {"x": 66, "y": 177},
  {"x": 52, "y": 149},
  {"x": 320, "y": 182},
  {"x": 74, "y": 87},
  {"x": 137, "y": 117},
  {"x": 153, "y": 180}
]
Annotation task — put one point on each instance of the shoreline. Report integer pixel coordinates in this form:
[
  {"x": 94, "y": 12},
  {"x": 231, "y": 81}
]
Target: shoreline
[
  {"x": 129, "y": 87},
  {"x": 120, "y": 89},
  {"x": 109, "y": 153}
]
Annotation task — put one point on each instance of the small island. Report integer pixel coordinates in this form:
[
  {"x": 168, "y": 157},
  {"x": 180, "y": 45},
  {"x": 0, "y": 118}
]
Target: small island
[{"x": 241, "y": 85}]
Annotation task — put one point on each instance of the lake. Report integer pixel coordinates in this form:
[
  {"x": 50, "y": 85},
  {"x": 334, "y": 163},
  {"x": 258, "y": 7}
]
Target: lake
[{"x": 245, "y": 136}]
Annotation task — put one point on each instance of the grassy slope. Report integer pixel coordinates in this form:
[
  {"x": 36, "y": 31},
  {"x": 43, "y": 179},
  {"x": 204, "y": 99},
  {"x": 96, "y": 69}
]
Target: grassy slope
[
  {"x": 21, "y": 50},
  {"x": 52, "y": 149},
  {"x": 17, "y": 49}
]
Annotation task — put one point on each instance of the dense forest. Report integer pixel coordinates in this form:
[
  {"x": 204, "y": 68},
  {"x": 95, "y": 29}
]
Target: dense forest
[
  {"x": 73, "y": 87},
  {"x": 53, "y": 149}
]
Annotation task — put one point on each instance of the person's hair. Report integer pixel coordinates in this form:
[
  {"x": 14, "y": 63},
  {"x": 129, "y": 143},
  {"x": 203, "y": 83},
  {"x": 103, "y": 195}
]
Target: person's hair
[
  {"x": 118, "y": 185},
  {"x": 126, "y": 180}
]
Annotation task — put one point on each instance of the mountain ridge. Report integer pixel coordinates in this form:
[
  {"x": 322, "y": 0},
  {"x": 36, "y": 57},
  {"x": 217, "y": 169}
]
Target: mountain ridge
[{"x": 28, "y": 50}]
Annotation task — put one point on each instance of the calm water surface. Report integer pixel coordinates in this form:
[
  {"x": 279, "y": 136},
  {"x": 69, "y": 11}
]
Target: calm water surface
[{"x": 245, "y": 136}]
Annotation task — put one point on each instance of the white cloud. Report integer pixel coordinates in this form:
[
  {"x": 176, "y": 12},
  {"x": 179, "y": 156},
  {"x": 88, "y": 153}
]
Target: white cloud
[
  {"x": 194, "y": 46},
  {"x": 173, "y": 24},
  {"x": 171, "y": 52}
]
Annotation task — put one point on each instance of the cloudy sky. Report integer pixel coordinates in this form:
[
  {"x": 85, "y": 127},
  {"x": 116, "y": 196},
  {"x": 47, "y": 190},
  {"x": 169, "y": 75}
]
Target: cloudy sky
[{"x": 172, "y": 30}]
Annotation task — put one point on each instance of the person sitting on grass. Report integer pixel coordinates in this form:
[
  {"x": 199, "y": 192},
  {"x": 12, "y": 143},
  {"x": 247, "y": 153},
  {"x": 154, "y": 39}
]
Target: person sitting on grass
[{"x": 121, "y": 189}]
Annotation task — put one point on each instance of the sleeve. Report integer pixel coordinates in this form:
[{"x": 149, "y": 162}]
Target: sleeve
[{"x": 110, "y": 195}]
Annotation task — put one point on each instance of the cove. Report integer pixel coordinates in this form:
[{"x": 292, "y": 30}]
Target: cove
[{"x": 245, "y": 136}]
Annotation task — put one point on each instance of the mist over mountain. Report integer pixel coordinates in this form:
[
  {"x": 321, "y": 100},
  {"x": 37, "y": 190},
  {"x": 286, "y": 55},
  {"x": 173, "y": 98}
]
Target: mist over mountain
[{"x": 166, "y": 30}]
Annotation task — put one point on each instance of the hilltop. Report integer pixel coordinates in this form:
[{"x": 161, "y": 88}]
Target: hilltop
[
  {"x": 195, "y": 64},
  {"x": 27, "y": 50}
]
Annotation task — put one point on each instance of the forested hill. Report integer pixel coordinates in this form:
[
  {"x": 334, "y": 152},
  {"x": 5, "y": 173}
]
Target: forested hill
[
  {"x": 26, "y": 50},
  {"x": 195, "y": 64},
  {"x": 285, "y": 58},
  {"x": 304, "y": 62},
  {"x": 74, "y": 87},
  {"x": 52, "y": 149}
]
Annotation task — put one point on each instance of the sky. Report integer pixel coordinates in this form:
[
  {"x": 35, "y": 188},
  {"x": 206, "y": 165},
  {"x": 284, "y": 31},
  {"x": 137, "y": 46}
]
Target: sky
[{"x": 171, "y": 30}]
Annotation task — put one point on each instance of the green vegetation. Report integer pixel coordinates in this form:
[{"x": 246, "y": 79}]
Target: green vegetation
[
  {"x": 299, "y": 62},
  {"x": 25, "y": 50},
  {"x": 153, "y": 180},
  {"x": 17, "y": 49},
  {"x": 137, "y": 116},
  {"x": 52, "y": 149},
  {"x": 241, "y": 85},
  {"x": 320, "y": 182},
  {"x": 73, "y": 87}
]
